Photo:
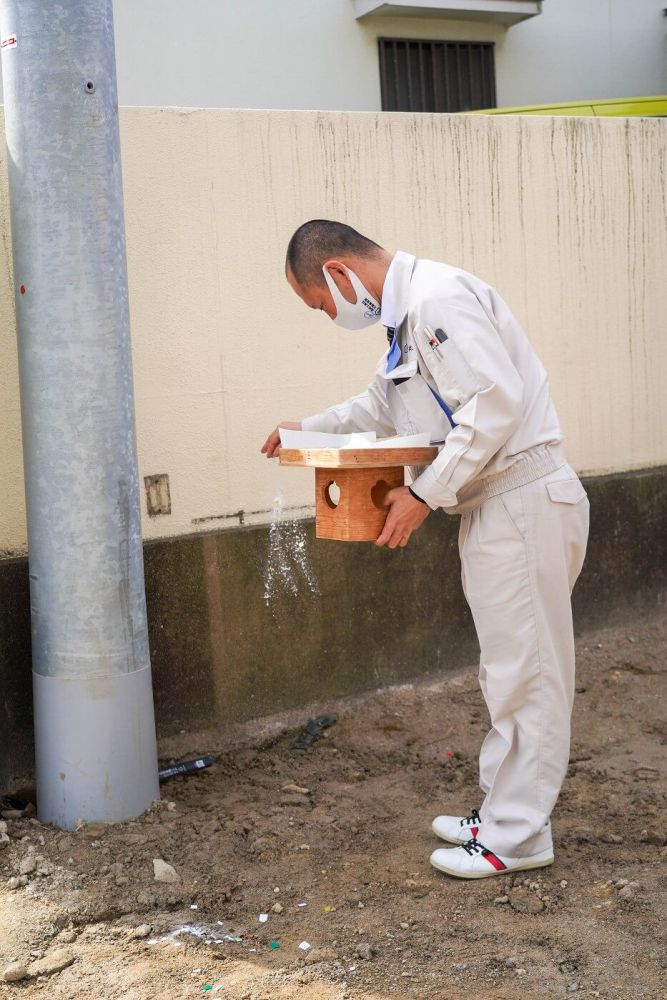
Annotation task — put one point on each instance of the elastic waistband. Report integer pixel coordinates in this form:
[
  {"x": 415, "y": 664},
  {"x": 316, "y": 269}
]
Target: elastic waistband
[{"x": 532, "y": 465}]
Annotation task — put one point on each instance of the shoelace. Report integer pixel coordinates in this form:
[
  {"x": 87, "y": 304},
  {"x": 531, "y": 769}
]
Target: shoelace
[
  {"x": 473, "y": 819},
  {"x": 473, "y": 846}
]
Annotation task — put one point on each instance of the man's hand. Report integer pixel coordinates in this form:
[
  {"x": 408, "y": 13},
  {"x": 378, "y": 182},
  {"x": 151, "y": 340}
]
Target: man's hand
[
  {"x": 405, "y": 515},
  {"x": 273, "y": 440}
]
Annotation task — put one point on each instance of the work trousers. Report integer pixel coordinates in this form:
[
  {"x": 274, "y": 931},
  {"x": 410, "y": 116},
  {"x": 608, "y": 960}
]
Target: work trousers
[{"x": 521, "y": 553}]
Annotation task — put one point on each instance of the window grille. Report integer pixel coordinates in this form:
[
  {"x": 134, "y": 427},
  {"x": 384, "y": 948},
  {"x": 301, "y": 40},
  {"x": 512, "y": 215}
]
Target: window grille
[{"x": 436, "y": 76}]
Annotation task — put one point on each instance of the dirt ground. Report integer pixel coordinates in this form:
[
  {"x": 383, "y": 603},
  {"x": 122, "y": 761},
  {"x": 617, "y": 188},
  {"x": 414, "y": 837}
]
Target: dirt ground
[{"x": 345, "y": 863}]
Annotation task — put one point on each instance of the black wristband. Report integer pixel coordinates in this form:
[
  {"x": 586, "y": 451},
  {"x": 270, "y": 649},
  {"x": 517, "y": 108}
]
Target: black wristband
[{"x": 415, "y": 495}]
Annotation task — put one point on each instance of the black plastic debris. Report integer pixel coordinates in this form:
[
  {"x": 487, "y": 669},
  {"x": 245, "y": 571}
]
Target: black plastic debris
[
  {"x": 187, "y": 767},
  {"x": 312, "y": 731}
]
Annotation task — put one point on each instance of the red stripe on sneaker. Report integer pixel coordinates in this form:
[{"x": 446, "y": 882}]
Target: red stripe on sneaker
[
  {"x": 474, "y": 830},
  {"x": 493, "y": 860}
]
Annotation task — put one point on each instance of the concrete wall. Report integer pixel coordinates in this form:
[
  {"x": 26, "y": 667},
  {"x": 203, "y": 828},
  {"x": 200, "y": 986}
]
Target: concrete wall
[
  {"x": 315, "y": 54},
  {"x": 565, "y": 216},
  {"x": 222, "y": 653}
]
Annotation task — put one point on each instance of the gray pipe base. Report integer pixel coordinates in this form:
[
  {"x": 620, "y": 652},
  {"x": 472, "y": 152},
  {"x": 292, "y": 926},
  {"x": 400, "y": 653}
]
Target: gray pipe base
[{"x": 95, "y": 750}]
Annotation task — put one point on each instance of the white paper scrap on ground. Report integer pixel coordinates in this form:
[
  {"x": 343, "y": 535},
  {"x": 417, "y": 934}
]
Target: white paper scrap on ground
[
  {"x": 263, "y": 917},
  {"x": 314, "y": 439},
  {"x": 304, "y": 946}
]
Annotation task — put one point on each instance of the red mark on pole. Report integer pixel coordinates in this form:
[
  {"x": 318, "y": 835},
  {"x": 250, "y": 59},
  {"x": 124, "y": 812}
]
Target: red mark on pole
[{"x": 22, "y": 289}]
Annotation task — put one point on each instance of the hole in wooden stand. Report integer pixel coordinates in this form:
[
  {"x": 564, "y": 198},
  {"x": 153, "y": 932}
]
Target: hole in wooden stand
[
  {"x": 379, "y": 492},
  {"x": 332, "y": 494}
]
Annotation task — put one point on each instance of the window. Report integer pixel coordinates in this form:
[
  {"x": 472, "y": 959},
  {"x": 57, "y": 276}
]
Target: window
[{"x": 436, "y": 76}]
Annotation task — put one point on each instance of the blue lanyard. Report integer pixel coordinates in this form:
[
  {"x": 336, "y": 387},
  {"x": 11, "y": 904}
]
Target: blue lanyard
[{"x": 394, "y": 356}]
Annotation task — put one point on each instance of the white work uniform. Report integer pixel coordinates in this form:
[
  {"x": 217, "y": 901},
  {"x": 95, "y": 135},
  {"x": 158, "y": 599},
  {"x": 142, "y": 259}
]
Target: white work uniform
[{"x": 524, "y": 523}]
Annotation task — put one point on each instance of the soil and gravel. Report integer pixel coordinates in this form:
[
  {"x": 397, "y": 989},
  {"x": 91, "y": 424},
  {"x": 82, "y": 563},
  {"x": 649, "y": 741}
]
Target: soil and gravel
[{"x": 332, "y": 845}]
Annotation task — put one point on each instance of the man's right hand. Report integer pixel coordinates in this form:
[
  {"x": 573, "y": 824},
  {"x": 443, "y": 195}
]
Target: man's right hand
[{"x": 273, "y": 440}]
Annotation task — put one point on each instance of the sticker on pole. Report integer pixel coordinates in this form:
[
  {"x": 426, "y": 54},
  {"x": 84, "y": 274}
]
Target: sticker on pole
[{"x": 9, "y": 42}]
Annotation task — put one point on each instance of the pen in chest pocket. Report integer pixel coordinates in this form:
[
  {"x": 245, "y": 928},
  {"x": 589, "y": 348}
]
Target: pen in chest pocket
[{"x": 436, "y": 338}]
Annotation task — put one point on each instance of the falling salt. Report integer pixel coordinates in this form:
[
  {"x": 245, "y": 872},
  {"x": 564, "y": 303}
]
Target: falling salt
[{"x": 287, "y": 565}]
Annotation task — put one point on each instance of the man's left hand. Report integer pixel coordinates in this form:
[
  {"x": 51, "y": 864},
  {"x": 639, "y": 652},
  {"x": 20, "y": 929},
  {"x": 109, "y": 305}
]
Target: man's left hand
[{"x": 405, "y": 515}]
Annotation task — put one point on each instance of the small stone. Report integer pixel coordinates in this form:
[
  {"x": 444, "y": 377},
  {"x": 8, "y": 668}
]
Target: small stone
[
  {"x": 14, "y": 882},
  {"x": 295, "y": 790},
  {"x": 611, "y": 838},
  {"x": 317, "y": 955},
  {"x": 3, "y": 826},
  {"x": 524, "y": 901},
  {"x": 584, "y": 835},
  {"x": 54, "y": 961},
  {"x": 499, "y": 900},
  {"x": 142, "y": 931},
  {"x": 628, "y": 892},
  {"x": 573, "y": 987},
  {"x": 68, "y": 936},
  {"x": 511, "y": 963},
  {"x": 621, "y": 882},
  {"x": 404, "y": 926},
  {"x": 260, "y": 845},
  {"x": 164, "y": 872},
  {"x": 14, "y": 972},
  {"x": 27, "y": 865},
  {"x": 277, "y": 908},
  {"x": 360, "y": 905},
  {"x": 4, "y": 841},
  {"x": 521, "y": 972},
  {"x": 364, "y": 951},
  {"x": 563, "y": 883},
  {"x": 655, "y": 837}
]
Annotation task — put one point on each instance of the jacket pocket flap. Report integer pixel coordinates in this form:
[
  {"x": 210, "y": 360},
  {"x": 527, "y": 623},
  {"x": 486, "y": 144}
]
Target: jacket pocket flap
[{"x": 566, "y": 491}]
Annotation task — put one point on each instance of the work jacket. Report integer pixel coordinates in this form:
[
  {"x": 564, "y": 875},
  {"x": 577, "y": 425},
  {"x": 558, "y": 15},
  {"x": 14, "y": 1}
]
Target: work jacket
[{"x": 467, "y": 375}]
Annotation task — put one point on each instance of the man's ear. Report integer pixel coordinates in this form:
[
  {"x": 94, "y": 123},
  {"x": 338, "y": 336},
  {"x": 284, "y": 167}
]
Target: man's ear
[{"x": 338, "y": 273}]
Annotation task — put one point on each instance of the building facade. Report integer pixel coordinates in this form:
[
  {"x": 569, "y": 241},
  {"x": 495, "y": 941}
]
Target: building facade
[{"x": 371, "y": 55}]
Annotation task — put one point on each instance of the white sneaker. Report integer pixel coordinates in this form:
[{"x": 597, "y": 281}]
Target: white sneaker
[
  {"x": 456, "y": 829},
  {"x": 474, "y": 860}
]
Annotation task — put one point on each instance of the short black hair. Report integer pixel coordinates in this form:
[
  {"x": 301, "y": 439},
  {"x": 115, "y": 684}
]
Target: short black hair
[{"x": 316, "y": 241}]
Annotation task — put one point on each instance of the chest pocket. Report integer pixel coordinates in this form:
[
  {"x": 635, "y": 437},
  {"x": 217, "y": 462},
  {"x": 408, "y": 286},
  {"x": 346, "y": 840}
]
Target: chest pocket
[
  {"x": 443, "y": 356},
  {"x": 415, "y": 410}
]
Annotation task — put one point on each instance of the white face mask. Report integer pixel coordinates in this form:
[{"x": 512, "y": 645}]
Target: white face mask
[{"x": 353, "y": 315}]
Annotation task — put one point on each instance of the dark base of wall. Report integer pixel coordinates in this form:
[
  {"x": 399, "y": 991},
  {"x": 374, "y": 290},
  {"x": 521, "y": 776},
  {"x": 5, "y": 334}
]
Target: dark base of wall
[{"x": 221, "y": 652}]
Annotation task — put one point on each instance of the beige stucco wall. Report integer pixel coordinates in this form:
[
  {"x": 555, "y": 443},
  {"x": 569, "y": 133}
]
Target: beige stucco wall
[{"x": 567, "y": 217}]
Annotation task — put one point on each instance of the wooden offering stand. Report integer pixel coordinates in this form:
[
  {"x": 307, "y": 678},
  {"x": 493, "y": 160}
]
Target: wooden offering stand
[{"x": 364, "y": 476}]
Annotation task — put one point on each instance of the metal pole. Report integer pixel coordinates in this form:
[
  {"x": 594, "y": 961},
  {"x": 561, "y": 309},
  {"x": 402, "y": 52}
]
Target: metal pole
[{"x": 94, "y": 724}]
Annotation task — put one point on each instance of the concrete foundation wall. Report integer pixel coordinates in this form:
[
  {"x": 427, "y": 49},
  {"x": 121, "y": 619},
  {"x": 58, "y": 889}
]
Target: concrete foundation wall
[
  {"x": 566, "y": 217},
  {"x": 223, "y": 653}
]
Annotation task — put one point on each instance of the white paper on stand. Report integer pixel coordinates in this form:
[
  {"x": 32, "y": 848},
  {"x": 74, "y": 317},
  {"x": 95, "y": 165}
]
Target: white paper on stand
[
  {"x": 411, "y": 441},
  {"x": 315, "y": 439},
  {"x": 365, "y": 439}
]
